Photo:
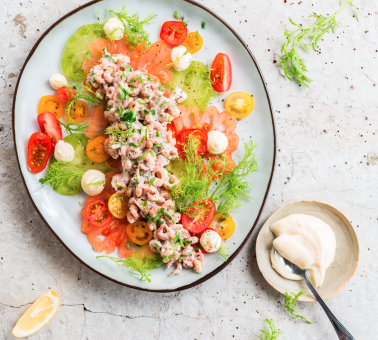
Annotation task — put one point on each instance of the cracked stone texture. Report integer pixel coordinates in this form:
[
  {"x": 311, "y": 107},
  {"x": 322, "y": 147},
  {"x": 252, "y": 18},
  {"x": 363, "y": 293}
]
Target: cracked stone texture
[{"x": 327, "y": 147}]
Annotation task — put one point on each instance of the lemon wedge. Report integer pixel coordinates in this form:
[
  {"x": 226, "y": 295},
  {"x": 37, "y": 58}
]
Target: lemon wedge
[{"x": 37, "y": 315}]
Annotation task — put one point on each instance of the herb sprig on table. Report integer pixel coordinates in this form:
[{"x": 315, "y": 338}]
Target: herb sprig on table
[
  {"x": 269, "y": 332},
  {"x": 291, "y": 61},
  {"x": 290, "y": 300}
]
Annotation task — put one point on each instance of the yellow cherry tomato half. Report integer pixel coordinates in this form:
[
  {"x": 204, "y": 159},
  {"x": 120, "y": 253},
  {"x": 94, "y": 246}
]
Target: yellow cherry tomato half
[
  {"x": 118, "y": 205},
  {"x": 193, "y": 42},
  {"x": 224, "y": 226},
  {"x": 79, "y": 112},
  {"x": 239, "y": 104},
  {"x": 139, "y": 232},
  {"x": 50, "y": 104}
]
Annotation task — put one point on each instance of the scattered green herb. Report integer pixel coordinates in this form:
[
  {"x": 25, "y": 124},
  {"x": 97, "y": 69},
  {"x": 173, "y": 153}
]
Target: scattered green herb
[
  {"x": 290, "y": 300},
  {"x": 88, "y": 55},
  {"x": 176, "y": 16},
  {"x": 222, "y": 252},
  {"x": 203, "y": 24},
  {"x": 101, "y": 182},
  {"x": 269, "y": 332},
  {"x": 292, "y": 63}
]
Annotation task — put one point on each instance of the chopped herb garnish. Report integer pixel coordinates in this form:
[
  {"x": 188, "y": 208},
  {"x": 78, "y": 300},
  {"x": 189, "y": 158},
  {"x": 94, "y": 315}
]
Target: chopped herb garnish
[
  {"x": 203, "y": 24},
  {"x": 176, "y": 16},
  {"x": 151, "y": 181}
]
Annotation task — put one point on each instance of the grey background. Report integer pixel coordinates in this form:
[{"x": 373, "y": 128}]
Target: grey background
[{"x": 327, "y": 146}]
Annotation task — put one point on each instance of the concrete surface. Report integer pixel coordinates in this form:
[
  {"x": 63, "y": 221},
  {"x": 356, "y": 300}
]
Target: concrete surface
[{"x": 327, "y": 147}]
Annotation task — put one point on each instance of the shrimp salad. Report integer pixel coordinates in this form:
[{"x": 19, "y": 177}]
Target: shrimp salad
[
  {"x": 138, "y": 107},
  {"x": 131, "y": 125}
]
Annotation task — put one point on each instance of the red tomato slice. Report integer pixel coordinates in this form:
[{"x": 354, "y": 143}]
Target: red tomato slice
[
  {"x": 203, "y": 217},
  {"x": 50, "y": 125},
  {"x": 98, "y": 214},
  {"x": 173, "y": 32},
  {"x": 39, "y": 151},
  {"x": 201, "y": 138},
  {"x": 221, "y": 73},
  {"x": 64, "y": 94}
]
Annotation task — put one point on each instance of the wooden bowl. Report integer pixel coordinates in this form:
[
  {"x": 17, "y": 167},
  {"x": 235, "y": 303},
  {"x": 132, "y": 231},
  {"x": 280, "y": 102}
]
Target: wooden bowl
[{"x": 341, "y": 269}]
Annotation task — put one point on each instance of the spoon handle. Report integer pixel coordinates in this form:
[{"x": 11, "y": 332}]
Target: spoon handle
[{"x": 339, "y": 328}]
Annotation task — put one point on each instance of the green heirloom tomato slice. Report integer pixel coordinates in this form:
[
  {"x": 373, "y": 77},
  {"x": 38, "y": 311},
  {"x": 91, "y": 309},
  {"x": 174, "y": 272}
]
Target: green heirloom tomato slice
[
  {"x": 195, "y": 82},
  {"x": 76, "y": 49}
]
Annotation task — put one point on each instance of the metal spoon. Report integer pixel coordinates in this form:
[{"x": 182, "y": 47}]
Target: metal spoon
[{"x": 292, "y": 268}]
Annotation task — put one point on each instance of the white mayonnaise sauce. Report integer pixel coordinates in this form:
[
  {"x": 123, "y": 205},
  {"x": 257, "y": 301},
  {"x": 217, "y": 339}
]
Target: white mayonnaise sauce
[{"x": 305, "y": 241}]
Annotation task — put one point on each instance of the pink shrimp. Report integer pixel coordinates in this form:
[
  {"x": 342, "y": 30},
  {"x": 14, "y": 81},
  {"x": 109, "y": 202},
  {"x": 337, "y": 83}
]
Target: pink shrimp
[
  {"x": 165, "y": 233},
  {"x": 177, "y": 270}
]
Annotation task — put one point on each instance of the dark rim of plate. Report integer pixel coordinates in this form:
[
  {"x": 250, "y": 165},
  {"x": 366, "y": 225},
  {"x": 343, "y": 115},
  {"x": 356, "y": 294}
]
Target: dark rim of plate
[{"x": 233, "y": 256}]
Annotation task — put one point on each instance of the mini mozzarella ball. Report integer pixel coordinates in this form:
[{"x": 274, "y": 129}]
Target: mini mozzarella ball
[
  {"x": 210, "y": 241},
  {"x": 93, "y": 176},
  {"x": 64, "y": 151},
  {"x": 217, "y": 142},
  {"x": 57, "y": 81},
  {"x": 114, "y": 28},
  {"x": 183, "y": 61}
]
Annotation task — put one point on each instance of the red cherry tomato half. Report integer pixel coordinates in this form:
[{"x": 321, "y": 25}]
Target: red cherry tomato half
[
  {"x": 50, "y": 125},
  {"x": 39, "y": 151},
  {"x": 173, "y": 32},
  {"x": 221, "y": 73},
  {"x": 98, "y": 214},
  {"x": 203, "y": 217},
  {"x": 64, "y": 94},
  {"x": 199, "y": 135}
]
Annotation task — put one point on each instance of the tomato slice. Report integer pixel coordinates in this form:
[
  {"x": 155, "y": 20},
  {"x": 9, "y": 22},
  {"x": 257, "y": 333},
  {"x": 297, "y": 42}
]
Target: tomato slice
[
  {"x": 50, "y": 125},
  {"x": 139, "y": 232},
  {"x": 239, "y": 104},
  {"x": 173, "y": 32},
  {"x": 224, "y": 226},
  {"x": 118, "y": 206},
  {"x": 64, "y": 94},
  {"x": 39, "y": 151},
  {"x": 221, "y": 73},
  {"x": 79, "y": 112},
  {"x": 98, "y": 214},
  {"x": 203, "y": 217},
  {"x": 50, "y": 104},
  {"x": 200, "y": 136}
]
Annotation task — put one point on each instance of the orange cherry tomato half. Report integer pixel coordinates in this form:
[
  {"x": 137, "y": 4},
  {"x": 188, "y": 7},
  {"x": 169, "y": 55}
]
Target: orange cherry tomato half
[
  {"x": 202, "y": 219},
  {"x": 96, "y": 150},
  {"x": 50, "y": 104},
  {"x": 225, "y": 226},
  {"x": 221, "y": 73},
  {"x": 39, "y": 151},
  {"x": 118, "y": 205},
  {"x": 193, "y": 42},
  {"x": 78, "y": 113},
  {"x": 139, "y": 232},
  {"x": 98, "y": 214},
  {"x": 173, "y": 32}
]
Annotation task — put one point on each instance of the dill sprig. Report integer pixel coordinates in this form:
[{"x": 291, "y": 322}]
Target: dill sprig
[
  {"x": 290, "y": 300},
  {"x": 269, "y": 332},
  {"x": 60, "y": 172},
  {"x": 292, "y": 63},
  {"x": 134, "y": 27},
  {"x": 222, "y": 251},
  {"x": 132, "y": 264},
  {"x": 233, "y": 187}
]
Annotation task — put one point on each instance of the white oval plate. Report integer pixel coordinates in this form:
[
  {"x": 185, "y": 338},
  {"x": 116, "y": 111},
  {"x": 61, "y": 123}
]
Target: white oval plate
[{"x": 62, "y": 214}]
